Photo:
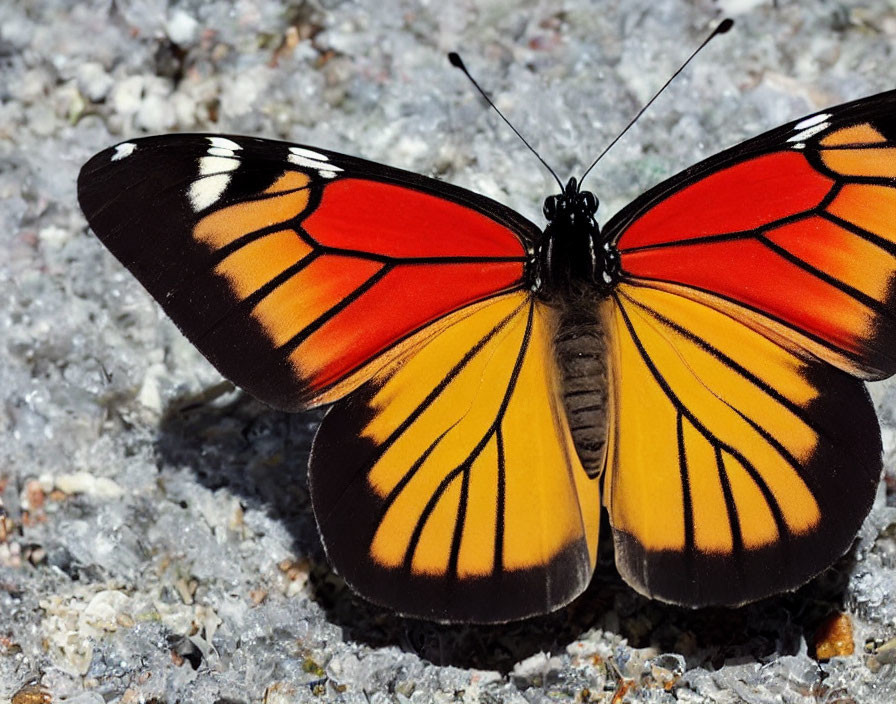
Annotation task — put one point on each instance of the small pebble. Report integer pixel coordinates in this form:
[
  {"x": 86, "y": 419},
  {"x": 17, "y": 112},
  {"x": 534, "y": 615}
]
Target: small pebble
[{"x": 833, "y": 637}]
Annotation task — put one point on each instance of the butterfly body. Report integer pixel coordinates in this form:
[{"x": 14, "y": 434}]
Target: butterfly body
[
  {"x": 573, "y": 269},
  {"x": 695, "y": 366}
]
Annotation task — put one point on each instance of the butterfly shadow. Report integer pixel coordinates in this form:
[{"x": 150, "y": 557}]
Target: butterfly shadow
[{"x": 231, "y": 441}]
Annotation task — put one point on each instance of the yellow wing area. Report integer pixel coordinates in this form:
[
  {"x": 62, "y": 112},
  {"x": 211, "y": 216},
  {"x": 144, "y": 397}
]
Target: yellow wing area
[
  {"x": 449, "y": 487},
  {"x": 735, "y": 468}
]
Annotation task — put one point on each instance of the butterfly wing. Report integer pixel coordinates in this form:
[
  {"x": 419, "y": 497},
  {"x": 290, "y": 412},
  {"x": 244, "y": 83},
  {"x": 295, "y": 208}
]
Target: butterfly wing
[
  {"x": 754, "y": 288},
  {"x": 448, "y": 486},
  {"x": 298, "y": 272}
]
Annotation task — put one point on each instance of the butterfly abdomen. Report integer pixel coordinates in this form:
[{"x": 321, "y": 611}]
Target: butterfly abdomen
[{"x": 579, "y": 345}]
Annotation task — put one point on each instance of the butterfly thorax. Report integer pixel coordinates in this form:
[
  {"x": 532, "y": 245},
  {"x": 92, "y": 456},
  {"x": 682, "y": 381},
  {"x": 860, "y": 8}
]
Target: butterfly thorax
[{"x": 571, "y": 260}]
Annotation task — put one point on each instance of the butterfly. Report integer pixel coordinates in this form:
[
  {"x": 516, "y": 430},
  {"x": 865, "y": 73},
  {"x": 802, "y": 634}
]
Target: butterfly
[{"x": 696, "y": 366}]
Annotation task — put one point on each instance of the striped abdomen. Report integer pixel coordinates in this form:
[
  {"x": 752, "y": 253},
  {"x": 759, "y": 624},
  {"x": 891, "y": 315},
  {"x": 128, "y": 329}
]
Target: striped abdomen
[{"x": 580, "y": 349}]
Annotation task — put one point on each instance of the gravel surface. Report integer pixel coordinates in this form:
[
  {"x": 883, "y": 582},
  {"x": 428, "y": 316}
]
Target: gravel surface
[{"x": 158, "y": 543}]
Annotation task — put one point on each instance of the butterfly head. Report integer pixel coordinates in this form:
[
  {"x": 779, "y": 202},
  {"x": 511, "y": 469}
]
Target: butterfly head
[{"x": 572, "y": 205}]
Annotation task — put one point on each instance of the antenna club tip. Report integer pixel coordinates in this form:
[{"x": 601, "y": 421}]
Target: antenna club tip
[
  {"x": 455, "y": 60},
  {"x": 725, "y": 25}
]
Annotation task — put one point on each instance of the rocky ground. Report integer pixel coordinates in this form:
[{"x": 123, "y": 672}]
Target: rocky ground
[{"x": 157, "y": 543}]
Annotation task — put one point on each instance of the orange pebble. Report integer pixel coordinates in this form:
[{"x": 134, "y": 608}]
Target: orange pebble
[{"x": 834, "y": 637}]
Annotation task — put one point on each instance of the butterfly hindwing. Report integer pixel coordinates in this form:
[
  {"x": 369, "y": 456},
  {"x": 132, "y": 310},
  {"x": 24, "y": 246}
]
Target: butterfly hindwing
[
  {"x": 793, "y": 232},
  {"x": 297, "y": 272},
  {"x": 448, "y": 486},
  {"x": 736, "y": 467}
]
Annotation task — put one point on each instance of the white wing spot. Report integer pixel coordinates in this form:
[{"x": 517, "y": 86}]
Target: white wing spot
[
  {"x": 811, "y": 121},
  {"x": 206, "y": 191},
  {"x": 223, "y": 143},
  {"x": 124, "y": 149},
  {"x": 216, "y": 164},
  {"x": 325, "y": 170},
  {"x": 301, "y": 151},
  {"x": 220, "y": 151},
  {"x": 809, "y": 132}
]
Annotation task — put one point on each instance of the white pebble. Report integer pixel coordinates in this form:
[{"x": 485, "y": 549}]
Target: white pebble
[
  {"x": 93, "y": 81},
  {"x": 127, "y": 95},
  {"x": 53, "y": 236},
  {"x": 156, "y": 114},
  {"x": 181, "y": 28},
  {"x": 86, "y": 483}
]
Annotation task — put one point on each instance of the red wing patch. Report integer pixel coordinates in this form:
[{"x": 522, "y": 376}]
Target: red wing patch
[
  {"x": 739, "y": 198},
  {"x": 393, "y": 221}
]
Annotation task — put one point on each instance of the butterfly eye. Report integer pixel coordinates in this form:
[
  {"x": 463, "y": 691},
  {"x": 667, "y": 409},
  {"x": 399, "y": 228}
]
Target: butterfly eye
[
  {"x": 588, "y": 201},
  {"x": 550, "y": 207}
]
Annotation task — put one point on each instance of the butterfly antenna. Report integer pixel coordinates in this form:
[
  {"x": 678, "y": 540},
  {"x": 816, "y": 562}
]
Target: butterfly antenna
[
  {"x": 723, "y": 27},
  {"x": 457, "y": 62}
]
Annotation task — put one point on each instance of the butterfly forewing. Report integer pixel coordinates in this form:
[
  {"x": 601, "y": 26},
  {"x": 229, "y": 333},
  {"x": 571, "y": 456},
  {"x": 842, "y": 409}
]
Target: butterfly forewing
[
  {"x": 297, "y": 272},
  {"x": 793, "y": 232}
]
